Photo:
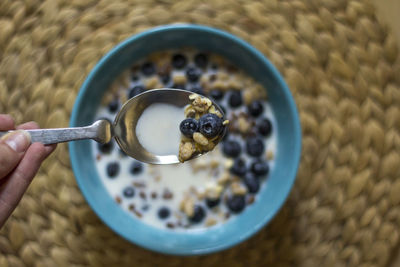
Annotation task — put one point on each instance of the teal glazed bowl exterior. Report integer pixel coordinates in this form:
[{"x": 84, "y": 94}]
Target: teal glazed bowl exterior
[{"x": 281, "y": 178}]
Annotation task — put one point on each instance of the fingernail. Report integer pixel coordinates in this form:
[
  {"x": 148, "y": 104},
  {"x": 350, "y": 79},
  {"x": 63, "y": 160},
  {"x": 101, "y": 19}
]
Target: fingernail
[{"x": 18, "y": 140}]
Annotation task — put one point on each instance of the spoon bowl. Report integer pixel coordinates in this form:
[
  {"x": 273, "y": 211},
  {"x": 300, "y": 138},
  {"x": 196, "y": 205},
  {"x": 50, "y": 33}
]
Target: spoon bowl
[{"x": 126, "y": 120}]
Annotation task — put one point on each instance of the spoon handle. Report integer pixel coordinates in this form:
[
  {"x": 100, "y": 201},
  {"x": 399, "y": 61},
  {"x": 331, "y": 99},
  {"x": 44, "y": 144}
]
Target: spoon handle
[{"x": 100, "y": 131}]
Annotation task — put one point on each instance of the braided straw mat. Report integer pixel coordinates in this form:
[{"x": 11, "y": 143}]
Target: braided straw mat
[{"x": 342, "y": 66}]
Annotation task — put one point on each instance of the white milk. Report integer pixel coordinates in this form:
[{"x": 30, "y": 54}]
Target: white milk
[
  {"x": 158, "y": 129},
  {"x": 176, "y": 178}
]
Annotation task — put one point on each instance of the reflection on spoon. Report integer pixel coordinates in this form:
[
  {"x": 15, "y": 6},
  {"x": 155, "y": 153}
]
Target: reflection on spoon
[{"x": 123, "y": 129}]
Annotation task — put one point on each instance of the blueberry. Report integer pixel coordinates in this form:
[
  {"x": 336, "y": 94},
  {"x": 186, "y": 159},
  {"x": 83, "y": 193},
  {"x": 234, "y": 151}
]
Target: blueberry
[
  {"x": 255, "y": 108},
  {"x": 264, "y": 127},
  {"x": 165, "y": 78},
  {"x": 198, "y": 214},
  {"x": 138, "y": 89},
  {"x": 163, "y": 213},
  {"x": 226, "y": 135},
  {"x": 178, "y": 86},
  {"x": 231, "y": 148},
  {"x": 179, "y": 61},
  {"x": 135, "y": 78},
  {"x": 235, "y": 99},
  {"x": 236, "y": 203},
  {"x": 239, "y": 167},
  {"x": 112, "y": 169},
  {"x": 210, "y": 125},
  {"x": 193, "y": 74},
  {"x": 129, "y": 192},
  {"x": 252, "y": 183},
  {"x": 148, "y": 69},
  {"x": 145, "y": 207},
  {"x": 259, "y": 167},
  {"x": 188, "y": 127},
  {"x": 106, "y": 148},
  {"x": 255, "y": 146},
  {"x": 201, "y": 60},
  {"x": 113, "y": 105},
  {"x": 211, "y": 202},
  {"x": 197, "y": 89},
  {"x": 216, "y": 94},
  {"x": 136, "y": 168}
]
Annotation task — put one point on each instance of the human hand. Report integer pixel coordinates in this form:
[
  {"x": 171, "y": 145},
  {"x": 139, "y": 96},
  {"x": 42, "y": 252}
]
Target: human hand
[{"x": 19, "y": 162}]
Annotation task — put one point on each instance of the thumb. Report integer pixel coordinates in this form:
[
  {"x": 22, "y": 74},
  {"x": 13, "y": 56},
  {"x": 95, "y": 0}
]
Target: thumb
[{"x": 12, "y": 148}]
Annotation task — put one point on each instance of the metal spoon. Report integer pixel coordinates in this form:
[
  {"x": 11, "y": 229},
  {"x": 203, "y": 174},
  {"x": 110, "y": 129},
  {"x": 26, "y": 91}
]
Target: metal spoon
[{"x": 123, "y": 129}]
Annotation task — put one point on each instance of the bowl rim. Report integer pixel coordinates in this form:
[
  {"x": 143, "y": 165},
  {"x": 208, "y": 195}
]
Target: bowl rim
[{"x": 230, "y": 37}]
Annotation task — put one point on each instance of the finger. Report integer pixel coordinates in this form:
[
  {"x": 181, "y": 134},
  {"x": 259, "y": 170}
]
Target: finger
[
  {"x": 6, "y": 122},
  {"x": 28, "y": 126},
  {"x": 33, "y": 125},
  {"x": 49, "y": 149},
  {"x": 12, "y": 149},
  {"x": 18, "y": 181}
]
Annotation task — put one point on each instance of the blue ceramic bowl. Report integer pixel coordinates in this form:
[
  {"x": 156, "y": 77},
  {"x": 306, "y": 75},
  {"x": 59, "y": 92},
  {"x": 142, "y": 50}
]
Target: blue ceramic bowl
[{"x": 281, "y": 177}]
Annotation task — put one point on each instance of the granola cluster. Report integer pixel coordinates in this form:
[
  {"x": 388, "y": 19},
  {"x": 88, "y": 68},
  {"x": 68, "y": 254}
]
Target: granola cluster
[{"x": 202, "y": 129}]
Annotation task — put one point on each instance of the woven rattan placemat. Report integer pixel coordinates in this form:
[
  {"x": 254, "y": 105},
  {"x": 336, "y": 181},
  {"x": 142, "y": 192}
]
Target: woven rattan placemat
[{"x": 343, "y": 69}]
